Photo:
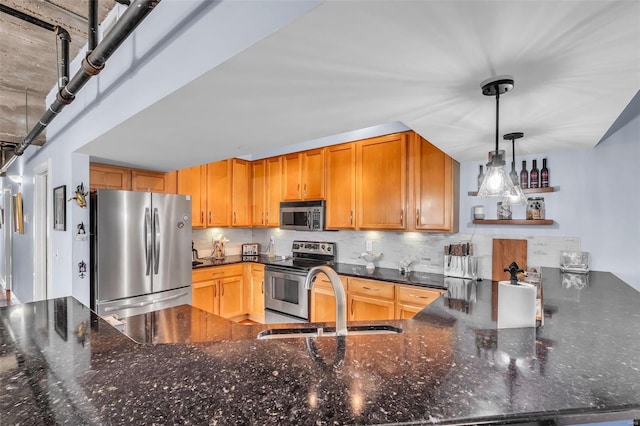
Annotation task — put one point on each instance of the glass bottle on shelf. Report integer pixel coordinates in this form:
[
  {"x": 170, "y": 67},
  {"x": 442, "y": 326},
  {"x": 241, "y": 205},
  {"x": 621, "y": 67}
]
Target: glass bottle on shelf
[
  {"x": 513, "y": 174},
  {"x": 544, "y": 174},
  {"x": 524, "y": 176},
  {"x": 480, "y": 177},
  {"x": 534, "y": 176}
]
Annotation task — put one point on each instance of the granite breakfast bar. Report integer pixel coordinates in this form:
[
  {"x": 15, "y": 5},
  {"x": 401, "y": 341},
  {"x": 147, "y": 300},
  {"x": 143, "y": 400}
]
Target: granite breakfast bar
[{"x": 60, "y": 363}]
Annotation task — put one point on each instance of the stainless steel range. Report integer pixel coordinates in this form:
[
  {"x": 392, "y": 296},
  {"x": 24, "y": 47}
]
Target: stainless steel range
[{"x": 286, "y": 299}]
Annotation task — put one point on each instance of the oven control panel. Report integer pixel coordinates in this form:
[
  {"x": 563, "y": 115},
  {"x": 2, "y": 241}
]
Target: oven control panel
[{"x": 314, "y": 247}]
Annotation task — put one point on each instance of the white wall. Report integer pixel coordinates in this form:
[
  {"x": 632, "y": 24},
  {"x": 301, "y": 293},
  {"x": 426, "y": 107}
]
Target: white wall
[{"x": 180, "y": 39}]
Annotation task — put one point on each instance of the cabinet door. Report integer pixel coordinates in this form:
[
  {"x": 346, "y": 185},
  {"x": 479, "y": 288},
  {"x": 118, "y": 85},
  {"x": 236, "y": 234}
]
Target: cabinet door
[
  {"x": 102, "y": 176},
  {"x": 204, "y": 296},
  {"x": 341, "y": 186},
  {"x": 364, "y": 308},
  {"x": 148, "y": 181},
  {"x": 382, "y": 182},
  {"x": 218, "y": 199},
  {"x": 231, "y": 296},
  {"x": 435, "y": 191},
  {"x": 313, "y": 174},
  {"x": 257, "y": 290},
  {"x": 323, "y": 300},
  {"x": 192, "y": 181},
  {"x": 291, "y": 177},
  {"x": 274, "y": 191},
  {"x": 241, "y": 193},
  {"x": 259, "y": 186}
]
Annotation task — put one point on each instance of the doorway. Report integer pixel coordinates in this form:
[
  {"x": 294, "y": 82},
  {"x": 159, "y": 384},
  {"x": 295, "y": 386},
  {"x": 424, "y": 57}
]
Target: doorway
[{"x": 41, "y": 202}]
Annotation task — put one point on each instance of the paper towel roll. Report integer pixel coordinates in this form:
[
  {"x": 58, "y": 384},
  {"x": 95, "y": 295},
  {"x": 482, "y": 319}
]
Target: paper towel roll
[{"x": 516, "y": 305}]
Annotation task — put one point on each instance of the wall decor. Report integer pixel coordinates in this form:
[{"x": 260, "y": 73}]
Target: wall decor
[
  {"x": 18, "y": 220},
  {"x": 60, "y": 208},
  {"x": 82, "y": 269},
  {"x": 81, "y": 195}
]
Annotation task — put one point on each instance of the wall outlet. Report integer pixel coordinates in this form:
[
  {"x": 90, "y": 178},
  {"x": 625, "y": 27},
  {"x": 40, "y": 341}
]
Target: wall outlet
[{"x": 368, "y": 245}]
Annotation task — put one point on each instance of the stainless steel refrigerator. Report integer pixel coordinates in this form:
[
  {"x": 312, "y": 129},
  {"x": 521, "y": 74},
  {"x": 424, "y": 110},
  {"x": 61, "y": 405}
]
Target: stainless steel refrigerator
[{"x": 140, "y": 251}]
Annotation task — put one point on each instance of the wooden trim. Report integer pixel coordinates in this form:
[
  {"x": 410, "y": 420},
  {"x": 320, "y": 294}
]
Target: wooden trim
[{"x": 513, "y": 222}]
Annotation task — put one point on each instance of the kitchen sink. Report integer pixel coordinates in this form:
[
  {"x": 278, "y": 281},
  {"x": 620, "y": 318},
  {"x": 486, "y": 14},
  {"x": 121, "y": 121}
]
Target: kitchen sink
[{"x": 289, "y": 333}]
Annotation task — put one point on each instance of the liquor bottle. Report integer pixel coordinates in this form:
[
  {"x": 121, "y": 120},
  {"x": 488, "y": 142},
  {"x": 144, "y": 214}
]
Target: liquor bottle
[
  {"x": 544, "y": 174},
  {"x": 513, "y": 174},
  {"x": 480, "y": 177},
  {"x": 534, "y": 176},
  {"x": 524, "y": 176}
]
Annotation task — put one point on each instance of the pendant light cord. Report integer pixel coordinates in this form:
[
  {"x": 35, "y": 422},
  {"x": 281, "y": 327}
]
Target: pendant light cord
[{"x": 497, "y": 117}]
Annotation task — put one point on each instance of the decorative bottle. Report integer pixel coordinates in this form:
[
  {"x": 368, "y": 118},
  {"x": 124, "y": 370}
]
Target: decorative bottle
[
  {"x": 524, "y": 176},
  {"x": 480, "y": 177},
  {"x": 534, "y": 176},
  {"x": 513, "y": 174},
  {"x": 544, "y": 174}
]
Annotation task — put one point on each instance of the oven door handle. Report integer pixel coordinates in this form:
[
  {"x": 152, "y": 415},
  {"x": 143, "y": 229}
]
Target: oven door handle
[{"x": 284, "y": 271}]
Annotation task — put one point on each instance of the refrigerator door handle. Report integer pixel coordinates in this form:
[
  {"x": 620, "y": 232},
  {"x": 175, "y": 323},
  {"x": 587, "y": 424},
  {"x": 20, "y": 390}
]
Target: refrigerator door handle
[
  {"x": 156, "y": 227},
  {"x": 147, "y": 240}
]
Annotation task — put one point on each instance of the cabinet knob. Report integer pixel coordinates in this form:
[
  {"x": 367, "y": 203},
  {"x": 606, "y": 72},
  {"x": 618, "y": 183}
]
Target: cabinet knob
[
  {"x": 305, "y": 189},
  {"x": 351, "y": 217},
  {"x": 209, "y": 217},
  {"x": 417, "y": 217},
  {"x": 201, "y": 217},
  {"x": 298, "y": 190},
  {"x": 234, "y": 218},
  {"x": 401, "y": 216}
]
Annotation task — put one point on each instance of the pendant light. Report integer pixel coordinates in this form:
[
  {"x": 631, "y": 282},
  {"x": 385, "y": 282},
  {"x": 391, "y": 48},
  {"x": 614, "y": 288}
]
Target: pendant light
[
  {"x": 518, "y": 197},
  {"x": 497, "y": 182}
]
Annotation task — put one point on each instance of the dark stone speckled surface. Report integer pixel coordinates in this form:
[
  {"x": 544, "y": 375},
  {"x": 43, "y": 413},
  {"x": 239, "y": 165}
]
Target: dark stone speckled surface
[{"x": 60, "y": 363}]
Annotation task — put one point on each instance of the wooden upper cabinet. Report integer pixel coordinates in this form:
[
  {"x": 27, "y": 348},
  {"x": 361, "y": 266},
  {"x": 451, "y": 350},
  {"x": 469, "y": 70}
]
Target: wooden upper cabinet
[
  {"x": 435, "y": 188},
  {"x": 193, "y": 182},
  {"x": 150, "y": 181},
  {"x": 273, "y": 191},
  {"x": 103, "y": 176},
  {"x": 381, "y": 178},
  {"x": 303, "y": 175},
  {"x": 218, "y": 198},
  {"x": 259, "y": 185},
  {"x": 241, "y": 193},
  {"x": 340, "y": 177}
]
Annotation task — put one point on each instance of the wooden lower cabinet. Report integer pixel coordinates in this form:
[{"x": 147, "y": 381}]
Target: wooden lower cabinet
[
  {"x": 323, "y": 300},
  {"x": 411, "y": 299},
  {"x": 219, "y": 290},
  {"x": 256, "y": 288},
  {"x": 370, "y": 300}
]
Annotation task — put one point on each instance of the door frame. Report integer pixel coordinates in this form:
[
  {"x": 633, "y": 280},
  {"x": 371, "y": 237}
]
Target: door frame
[
  {"x": 8, "y": 238},
  {"x": 42, "y": 223}
]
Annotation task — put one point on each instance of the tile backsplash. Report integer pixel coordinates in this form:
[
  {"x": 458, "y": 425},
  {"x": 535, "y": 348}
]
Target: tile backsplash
[{"x": 426, "y": 250}]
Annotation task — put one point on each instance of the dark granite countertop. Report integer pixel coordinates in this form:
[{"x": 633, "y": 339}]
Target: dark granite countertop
[
  {"x": 423, "y": 279},
  {"x": 60, "y": 363}
]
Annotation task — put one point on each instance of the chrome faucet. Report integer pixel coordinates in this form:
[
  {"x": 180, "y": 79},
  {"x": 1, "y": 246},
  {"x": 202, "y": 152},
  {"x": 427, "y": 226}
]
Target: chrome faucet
[{"x": 338, "y": 290}]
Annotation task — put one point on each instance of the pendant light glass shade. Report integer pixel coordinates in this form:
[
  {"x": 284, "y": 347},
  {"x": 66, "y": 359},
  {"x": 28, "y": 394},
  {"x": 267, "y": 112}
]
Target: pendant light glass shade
[
  {"x": 497, "y": 182},
  {"x": 517, "y": 197}
]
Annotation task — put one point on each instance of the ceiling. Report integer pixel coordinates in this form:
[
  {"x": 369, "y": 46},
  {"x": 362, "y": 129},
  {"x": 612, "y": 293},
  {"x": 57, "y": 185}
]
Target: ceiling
[
  {"x": 28, "y": 59},
  {"x": 348, "y": 65}
]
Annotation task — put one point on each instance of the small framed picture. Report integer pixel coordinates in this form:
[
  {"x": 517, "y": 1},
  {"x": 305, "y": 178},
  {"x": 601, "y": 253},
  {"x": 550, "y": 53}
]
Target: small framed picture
[{"x": 60, "y": 208}]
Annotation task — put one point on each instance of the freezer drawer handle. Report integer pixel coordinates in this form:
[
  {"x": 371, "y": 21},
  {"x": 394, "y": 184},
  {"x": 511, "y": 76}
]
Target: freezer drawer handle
[
  {"x": 156, "y": 227},
  {"x": 141, "y": 304},
  {"x": 147, "y": 240}
]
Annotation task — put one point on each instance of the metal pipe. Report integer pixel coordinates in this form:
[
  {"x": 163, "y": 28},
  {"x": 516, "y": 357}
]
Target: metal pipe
[
  {"x": 63, "y": 62},
  {"x": 28, "y": 18},
  {"x": 92, "y": 33},
  {"x": 92, "y": 64}
]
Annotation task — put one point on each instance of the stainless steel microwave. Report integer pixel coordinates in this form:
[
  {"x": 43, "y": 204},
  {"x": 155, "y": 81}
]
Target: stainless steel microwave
[{"x": 302, "y": 215}]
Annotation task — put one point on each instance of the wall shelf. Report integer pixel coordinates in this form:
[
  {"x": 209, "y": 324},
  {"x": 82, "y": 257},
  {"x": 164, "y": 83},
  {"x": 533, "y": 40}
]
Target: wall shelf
[
  {"x": 526, "y": 191},
  {"x": 513, "y": 222}
]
